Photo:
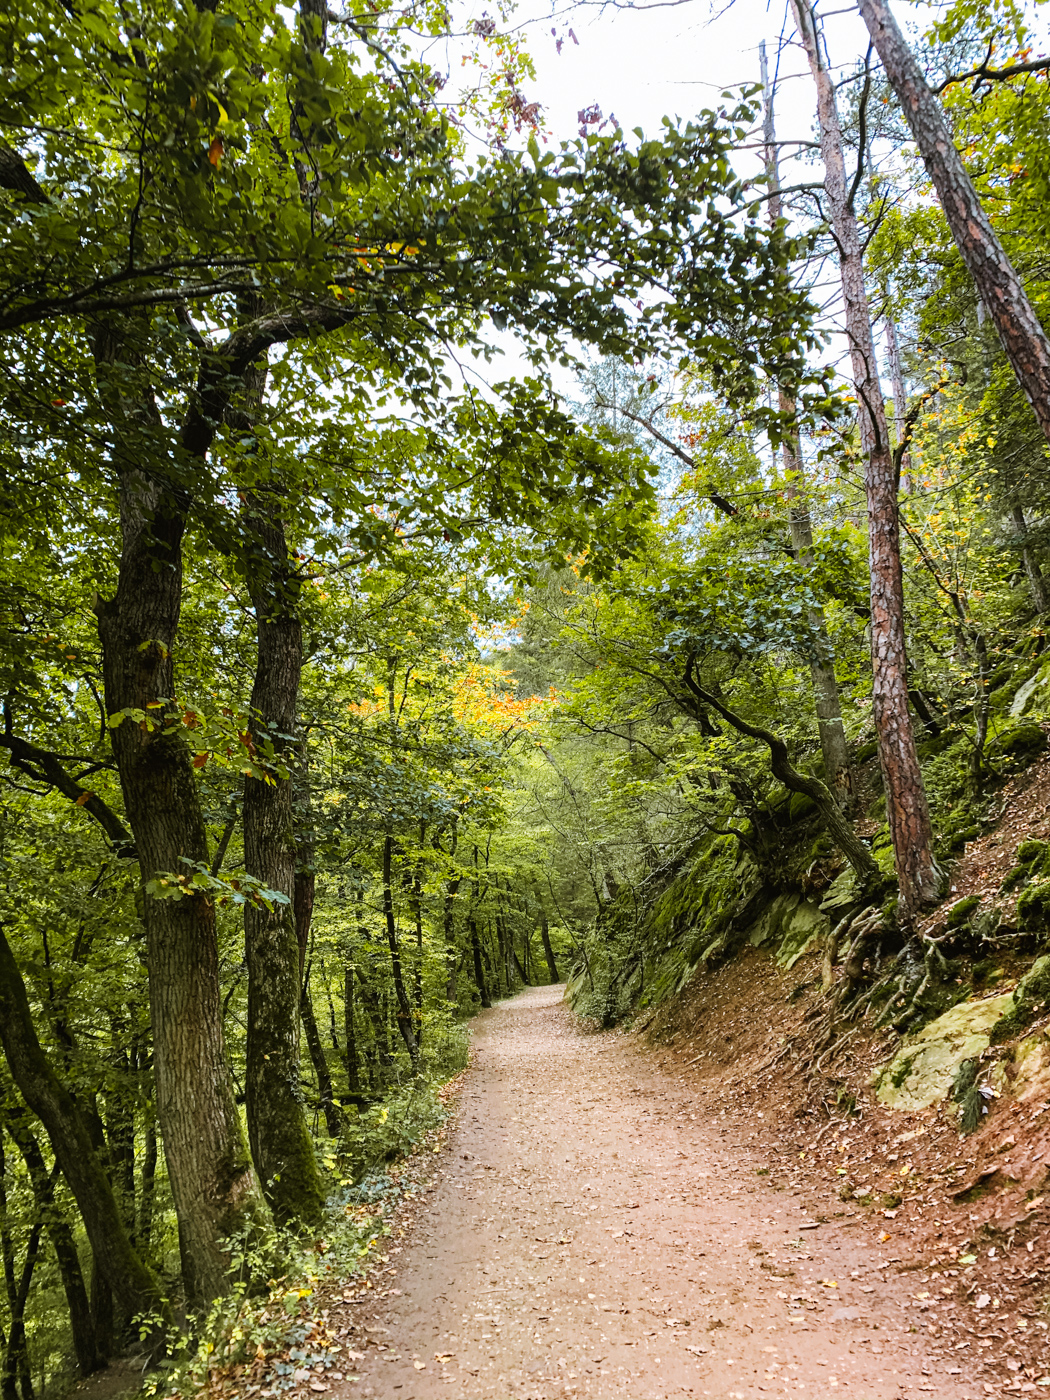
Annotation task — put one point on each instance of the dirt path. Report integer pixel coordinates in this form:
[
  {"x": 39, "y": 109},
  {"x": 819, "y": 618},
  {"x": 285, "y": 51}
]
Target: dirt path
[{"x": 587, "y": 1235}]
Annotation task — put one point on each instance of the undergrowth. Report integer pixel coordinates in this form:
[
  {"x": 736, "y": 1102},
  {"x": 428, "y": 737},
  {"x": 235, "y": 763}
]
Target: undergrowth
[{"x": 266, "y": 1323}]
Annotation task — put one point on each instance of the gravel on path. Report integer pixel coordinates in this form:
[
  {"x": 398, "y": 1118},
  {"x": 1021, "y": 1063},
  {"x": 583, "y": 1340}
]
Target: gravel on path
[{"x": 592, "y": 1232}]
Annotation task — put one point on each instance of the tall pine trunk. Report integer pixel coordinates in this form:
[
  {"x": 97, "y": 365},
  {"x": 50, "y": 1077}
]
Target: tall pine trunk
[
  {"x": 1023, "y": 338},
  {"x": 918, "y": 874}
]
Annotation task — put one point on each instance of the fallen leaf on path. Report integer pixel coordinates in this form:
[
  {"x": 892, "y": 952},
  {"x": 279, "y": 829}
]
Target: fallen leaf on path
[
  {"x": 420, "y": 1365},
  {"x": 982, "y": 1300}
]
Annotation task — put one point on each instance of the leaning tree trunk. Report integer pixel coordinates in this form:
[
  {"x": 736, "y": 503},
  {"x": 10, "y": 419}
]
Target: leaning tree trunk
[
  {"x": 277, "y": 1129},
  {"x": 827, "y": 698},
  {"x": 838, "y": 826},
  {"x": 60, "y": 1233},
  {"x": 213, "y": 1184},
  {"x": 70, "y": 1139},
  {"x": 918, "y": 874},
  {"x": 1026, "y": 344}
]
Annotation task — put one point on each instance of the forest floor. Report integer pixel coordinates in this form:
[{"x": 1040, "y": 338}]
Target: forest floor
[{"x": 604, "y": 1225}]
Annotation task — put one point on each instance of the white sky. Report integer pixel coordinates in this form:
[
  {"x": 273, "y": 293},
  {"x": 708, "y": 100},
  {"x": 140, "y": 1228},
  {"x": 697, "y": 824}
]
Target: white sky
[{"x": 674, "y": 60}]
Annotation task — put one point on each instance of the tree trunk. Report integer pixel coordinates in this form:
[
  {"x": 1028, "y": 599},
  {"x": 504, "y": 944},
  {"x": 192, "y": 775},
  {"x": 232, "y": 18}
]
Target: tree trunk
[
  {"x": 479, "y": 966},
  {"x": 1034, "y": 574},
  {"x": 213, "y": 1185},
  {"x": 374, "y": 1011},
  {"x": 998, "y": 285},
  {"x": 353, "y": 1075},
  {"x": 325, "y": 1089},
  {"x": 60, "y": 1233},
  {"x": 919, "y": 877},
  {"x": 15, "y": 1374},
  {"x": 448, "y": 927},
  {"x": 277, "y": 1129},
  {"x": 71, "y": 1143},
  {"x": 405, "y": 1018},
  {"x": 548, "y": 951},
  {"x": 900, "y": 398},
  {"x": 147, "y": 1187},
  {"x": 827, "y": 699}
]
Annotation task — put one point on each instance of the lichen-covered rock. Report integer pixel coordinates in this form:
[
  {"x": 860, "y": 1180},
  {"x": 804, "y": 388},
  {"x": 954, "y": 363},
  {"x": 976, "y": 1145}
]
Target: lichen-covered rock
[
  {"x": 792, "y": 924},
  {"x": 768, "y": 927},
  {"x": 843, "y": 891},
  {"x": 804, "y": 929},
  {"x": 1031, "y": 1068},
  {"x": 1032, "y": 696},
  {"x": 924, "y": 1068}
]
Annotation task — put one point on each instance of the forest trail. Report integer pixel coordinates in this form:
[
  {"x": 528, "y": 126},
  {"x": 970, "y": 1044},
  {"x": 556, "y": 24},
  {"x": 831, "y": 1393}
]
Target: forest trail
[{"x": 592, "y": 1231}]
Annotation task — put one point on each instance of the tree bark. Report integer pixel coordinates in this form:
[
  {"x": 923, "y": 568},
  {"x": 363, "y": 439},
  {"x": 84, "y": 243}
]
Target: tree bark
[
  {"x": 548, "y": 951},
  {"x": 60, "y": 1232},
  {"x": 919, "y": 877},
  {"x": 282, "y": 1149},
  {"x": 213, "y": 1185},
  {"x": 998, "y": 285},
  {"x": 1034, "y": 574},
  {"x": 40, "y": 1087},
  {"x": 900, "y": 399},
  {"x": 827, "y": 700},
  {"x": 353, "y": 1073},
  {"x": 325, "y": 1088},
  {"x": 479, "y": 966},
  {"x": 405, "y": 1019}
]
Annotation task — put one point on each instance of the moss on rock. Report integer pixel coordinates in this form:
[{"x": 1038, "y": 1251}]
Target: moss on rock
[
  {"x": 1033, "y": 908},
  {"x": 960, "y": 913},
  {"x": 1030, "y": 999}
]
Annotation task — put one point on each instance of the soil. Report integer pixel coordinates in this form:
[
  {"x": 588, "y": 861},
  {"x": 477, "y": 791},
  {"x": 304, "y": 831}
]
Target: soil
[{"x": 602, "y": 1224}]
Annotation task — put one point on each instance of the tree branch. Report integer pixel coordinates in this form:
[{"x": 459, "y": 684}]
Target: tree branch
[
  {"x": 44, "y": 767},
  {"x": 839, "y": 828},
  {"x": 16, "y": 176},
  {"x": 982, "y": 73}
]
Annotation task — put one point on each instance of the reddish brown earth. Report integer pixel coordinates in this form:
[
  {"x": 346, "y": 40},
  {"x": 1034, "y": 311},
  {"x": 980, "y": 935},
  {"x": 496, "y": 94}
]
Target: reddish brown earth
[{"x": 598, "y": 1227}]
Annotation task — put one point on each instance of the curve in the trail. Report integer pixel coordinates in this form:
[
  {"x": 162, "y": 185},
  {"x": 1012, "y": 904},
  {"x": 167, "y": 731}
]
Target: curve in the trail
[{"x": 588, "y": 1236}]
